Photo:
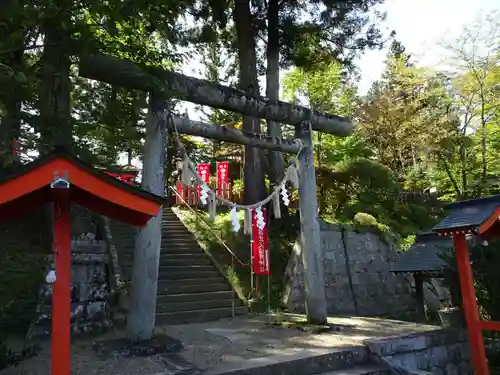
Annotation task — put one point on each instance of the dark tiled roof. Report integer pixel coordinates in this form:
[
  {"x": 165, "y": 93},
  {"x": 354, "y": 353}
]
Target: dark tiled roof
[
  {"x": 423, "y": 255},
  {"x": 468, "y": 214}
]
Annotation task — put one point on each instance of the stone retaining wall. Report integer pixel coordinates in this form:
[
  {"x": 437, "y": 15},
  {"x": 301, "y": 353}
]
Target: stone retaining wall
[
  {"x": 357, "y": 277},
  {"x": 442, "y": 352}
]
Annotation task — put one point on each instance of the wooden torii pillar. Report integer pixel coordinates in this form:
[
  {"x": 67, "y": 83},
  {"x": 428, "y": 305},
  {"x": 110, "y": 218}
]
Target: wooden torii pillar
[
  {"x": 478, "y": 217},
  {"x": 166, "y": 83}
]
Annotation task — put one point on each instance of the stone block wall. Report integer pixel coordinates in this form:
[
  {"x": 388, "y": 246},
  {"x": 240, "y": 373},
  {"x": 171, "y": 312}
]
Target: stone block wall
[
  {"x": 442, "y": 352},
  {"x": 357, "y": 278},
  {"x": 90, "y": 292}
]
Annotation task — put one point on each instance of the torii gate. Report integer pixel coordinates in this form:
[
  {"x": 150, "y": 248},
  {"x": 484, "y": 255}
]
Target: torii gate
[{"x": 164, "y": 83}]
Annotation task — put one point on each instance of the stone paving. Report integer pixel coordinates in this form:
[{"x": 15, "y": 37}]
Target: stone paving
[{"x": 225, "y": 344}]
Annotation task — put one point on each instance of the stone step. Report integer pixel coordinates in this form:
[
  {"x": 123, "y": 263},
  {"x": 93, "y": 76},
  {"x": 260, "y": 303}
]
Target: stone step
[
  {"x": 360, "y": 370},
  {"x": 194, "y": 297},
  {"x": 165, "y": 243},
  {"x": 324, "y": 361},
  {"x": 184, "y": 260},
  {"x": 198, "y": 315},
  {"x": 172, "y": 259},
  {"x": 167, "y": 240},
  {"x": 185, "y": 268},
  {"x": 166, "y": 273},
  {"x": 178, "y": 252},
  {"x": 173, "y": 224},
  {"x": 193, "y": 286},
  {"x": 197, "y": 305},
  {"x": 191, "y": 275},
  {"x": 177, "y": 233},
  {"x": 172, "y": 233}
]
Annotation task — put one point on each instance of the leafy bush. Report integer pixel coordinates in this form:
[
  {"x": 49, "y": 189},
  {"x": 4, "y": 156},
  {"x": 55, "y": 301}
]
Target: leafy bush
[
  {"x": 406, "y": 242},
  {"x": 368, "y": 187},
  {"x": 365, "y": 219}
]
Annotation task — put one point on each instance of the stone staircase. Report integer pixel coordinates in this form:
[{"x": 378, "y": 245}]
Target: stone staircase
[{"x": 190, "y": 287}]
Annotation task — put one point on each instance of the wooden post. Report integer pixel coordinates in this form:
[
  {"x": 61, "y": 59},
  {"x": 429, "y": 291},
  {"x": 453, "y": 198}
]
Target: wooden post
[
  {"x": 142, "y": 309},
  {"x": 419, "y": 291},
  {"x": 310, "y": 241},
  {"x": 471, "y": 310},
  {"x": 61, "y": 294}
]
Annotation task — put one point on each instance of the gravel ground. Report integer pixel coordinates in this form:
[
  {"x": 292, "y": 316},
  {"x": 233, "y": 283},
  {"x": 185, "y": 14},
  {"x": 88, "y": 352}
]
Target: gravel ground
[{"x": 84, "y": 361}]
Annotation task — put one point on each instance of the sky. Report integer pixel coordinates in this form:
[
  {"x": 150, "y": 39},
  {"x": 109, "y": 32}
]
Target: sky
[{"x": 420, "y": 25}]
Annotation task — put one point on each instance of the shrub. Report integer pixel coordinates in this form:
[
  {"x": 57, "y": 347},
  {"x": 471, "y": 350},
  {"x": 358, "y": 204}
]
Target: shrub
[{"x": 365, "y": 219}]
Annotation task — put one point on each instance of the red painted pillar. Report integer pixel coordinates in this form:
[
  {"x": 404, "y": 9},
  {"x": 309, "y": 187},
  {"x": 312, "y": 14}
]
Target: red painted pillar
[
  {"x": 61, "y": 362},
  {"x": 471, "y": 310}
]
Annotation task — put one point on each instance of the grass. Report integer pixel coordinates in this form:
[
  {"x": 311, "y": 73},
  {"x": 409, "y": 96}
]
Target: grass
[{"x": 282, "y": 234}]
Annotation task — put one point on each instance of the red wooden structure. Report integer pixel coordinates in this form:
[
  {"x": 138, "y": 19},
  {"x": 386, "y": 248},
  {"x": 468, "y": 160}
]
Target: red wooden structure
[
  {"x": 190, "y": 195},
  {"x": 62, "y": 179},
  {"x": 480, "y": 217}
]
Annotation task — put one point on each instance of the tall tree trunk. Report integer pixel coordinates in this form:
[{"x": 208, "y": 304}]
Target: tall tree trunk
[
  {"x": 463, "y": 166},
  {"x": 276, "y": 170},
  {"x": 459, "y": 194},
  {"x": 10, "y": 129},
  {"x": 483, "y": 134},
  {"x": 54, "y": 95},
  {"x": 54, "y": 102},
  {"x": 254, "y": 184},
  {"x": 12, "y": 56},
  {"x": 142, "y": 310}
]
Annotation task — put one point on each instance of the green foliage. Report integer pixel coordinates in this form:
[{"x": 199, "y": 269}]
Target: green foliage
[
  {"x": 484, "y": 261},
  {"x": 365, "y": 219},
  {"x": 353, "y": 176},
  {"x": 406, "y": 242},
  {"x": 23, "y": 253},
  {"x": 18, "y": 293}
]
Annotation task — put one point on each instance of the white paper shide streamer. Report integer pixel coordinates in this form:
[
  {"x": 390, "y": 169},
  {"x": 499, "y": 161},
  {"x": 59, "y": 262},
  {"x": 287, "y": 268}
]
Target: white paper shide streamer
[
  {"x": 284, "y": 195},
  {"x": 260, "y": 218},
  {"x": 235, "y": 220},
  {"x": 204, "y": 194}
]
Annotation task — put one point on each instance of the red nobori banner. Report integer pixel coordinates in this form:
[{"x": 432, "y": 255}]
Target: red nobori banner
[
  {"x": 222, "y": 176},
  {"x": 204, "y": 173},
  {"x": 260, "y": 246}
]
